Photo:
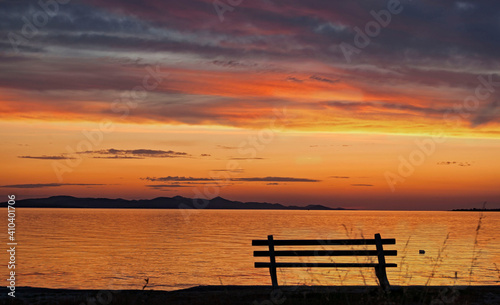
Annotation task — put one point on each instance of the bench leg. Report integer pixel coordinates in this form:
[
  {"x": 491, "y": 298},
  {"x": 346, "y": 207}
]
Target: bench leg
[
  {"x": 382, "y": 278},
  {"x": 380, "y": 269},
  {"x": 274, "y": 277},
  {"x": 272, "y": 267}
]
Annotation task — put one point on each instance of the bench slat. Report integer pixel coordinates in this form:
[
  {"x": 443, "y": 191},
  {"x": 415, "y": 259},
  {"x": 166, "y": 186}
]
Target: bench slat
[
  {"x": 321, "y": 265},
  {"x": 325, "y": 253},
  {"x": 313, "y": 242}
]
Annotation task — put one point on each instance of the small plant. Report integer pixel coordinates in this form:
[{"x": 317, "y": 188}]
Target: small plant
[
  {"x": 146, "y": 284},
  {"x": 475, "y": 255}
]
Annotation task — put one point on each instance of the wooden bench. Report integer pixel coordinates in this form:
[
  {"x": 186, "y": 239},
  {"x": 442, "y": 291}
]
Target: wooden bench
[{"x": 379, "y": 251}]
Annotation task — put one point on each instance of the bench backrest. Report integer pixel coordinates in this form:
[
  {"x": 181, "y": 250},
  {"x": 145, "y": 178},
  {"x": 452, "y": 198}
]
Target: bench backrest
[{"x": 272, "y": 253}]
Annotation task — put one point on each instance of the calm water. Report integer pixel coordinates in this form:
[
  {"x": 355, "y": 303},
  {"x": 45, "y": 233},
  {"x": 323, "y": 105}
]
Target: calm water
[{"x": 118, "y": 249}]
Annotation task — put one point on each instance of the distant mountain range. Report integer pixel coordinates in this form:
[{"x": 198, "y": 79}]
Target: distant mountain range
[
  {"x": 177, "y": 202},
  {"x": 476, "y": 210}
]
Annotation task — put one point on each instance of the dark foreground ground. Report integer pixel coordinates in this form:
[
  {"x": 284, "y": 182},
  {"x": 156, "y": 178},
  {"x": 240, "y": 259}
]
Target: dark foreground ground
[{"x": 262, "y": 295}]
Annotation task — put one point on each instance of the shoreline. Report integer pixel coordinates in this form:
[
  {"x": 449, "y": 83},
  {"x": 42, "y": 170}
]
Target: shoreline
[{"x": 262, "y": 295}]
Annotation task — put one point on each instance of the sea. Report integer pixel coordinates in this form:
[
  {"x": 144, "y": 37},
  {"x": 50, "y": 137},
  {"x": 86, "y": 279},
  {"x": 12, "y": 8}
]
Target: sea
[{"x": 175, "y": 249}]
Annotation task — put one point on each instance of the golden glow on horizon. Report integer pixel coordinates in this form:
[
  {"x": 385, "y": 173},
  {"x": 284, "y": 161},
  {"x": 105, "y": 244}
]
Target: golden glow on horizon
[{"x": 346, "y": 165}]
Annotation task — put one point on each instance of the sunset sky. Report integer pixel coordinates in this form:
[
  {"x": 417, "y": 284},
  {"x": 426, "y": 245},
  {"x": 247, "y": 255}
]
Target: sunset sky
[{"x": 359, "y": 104}]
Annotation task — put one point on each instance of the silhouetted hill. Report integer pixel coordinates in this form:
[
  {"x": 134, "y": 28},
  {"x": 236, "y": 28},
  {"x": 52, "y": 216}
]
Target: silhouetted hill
[
  {"x": 177, "y": 202},
  {"x": 476, "y": 210}
]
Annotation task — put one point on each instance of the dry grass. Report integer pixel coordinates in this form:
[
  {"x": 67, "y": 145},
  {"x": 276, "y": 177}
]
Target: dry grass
[
  {"x": 498, "y": 270},
  {"x": 402, "y": 263},
  {"x": 438, "y": 260},
  {"x": 475, "y": 253}
]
